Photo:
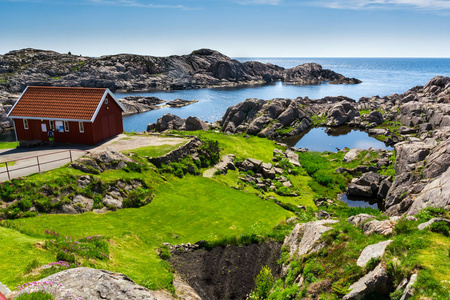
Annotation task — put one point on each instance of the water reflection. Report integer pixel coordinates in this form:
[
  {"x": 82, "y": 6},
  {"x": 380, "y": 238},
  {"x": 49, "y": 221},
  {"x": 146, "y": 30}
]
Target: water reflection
[
  {"x": 316, "y": 139},
  {"x": 358, "y": 202}
]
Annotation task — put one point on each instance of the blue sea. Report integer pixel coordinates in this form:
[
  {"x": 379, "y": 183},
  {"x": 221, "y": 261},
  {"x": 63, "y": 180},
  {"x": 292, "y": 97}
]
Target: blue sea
[{"x": 380, "y": 76}]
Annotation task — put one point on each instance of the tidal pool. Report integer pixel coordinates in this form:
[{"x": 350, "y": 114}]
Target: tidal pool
[
  {"x": 316, "y": 139},
  {"x": 359, "y": 202}
]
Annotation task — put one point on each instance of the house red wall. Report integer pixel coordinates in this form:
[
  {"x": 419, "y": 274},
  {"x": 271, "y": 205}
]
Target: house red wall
[{"x": 108, "y": 123}]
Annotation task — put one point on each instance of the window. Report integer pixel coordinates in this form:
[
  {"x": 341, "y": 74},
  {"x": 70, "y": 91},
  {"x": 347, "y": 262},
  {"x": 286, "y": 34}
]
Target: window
[
  {"x": 52, "y": 125},
  {"x": 25, "y": 123},
  {"x": 81, "y": 127},
  {"x": 106, "y": 100},
  {"x": 66, "y": 126}
]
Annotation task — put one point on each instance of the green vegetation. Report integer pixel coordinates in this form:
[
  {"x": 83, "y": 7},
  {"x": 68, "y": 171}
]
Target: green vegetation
[
  {"x": 36, "y": 296},
  {"x": 172, "y": 204},
  {"x": 10, "y": 164},
  {"x": 318, "y": 120},
  {"x": 155, "y": 151},
  {"x": 7, "y": 145}
]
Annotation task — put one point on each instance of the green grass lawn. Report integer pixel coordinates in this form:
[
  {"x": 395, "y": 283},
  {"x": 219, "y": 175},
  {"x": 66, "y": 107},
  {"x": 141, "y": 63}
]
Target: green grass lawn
[
  {"x": 17, "y": 250},
  {"x": 155, "y": 151},
  {"x": 242, "y": 147},
  {"x": 7, "y": 145},
  {"x": 192, "y": 208}
]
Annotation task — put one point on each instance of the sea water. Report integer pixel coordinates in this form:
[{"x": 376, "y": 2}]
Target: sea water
[{"x": 380, "y": 76}]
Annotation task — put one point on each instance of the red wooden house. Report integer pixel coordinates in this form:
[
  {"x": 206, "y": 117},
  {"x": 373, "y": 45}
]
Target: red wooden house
[{"x": 75, "y": 115}]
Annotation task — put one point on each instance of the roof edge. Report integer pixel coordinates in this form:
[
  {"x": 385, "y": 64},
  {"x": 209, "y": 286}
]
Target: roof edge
[
  {"x": 50, "y": 119},
  {"x": 107, "y": 92},
  {"x": 16, "y": 103}
]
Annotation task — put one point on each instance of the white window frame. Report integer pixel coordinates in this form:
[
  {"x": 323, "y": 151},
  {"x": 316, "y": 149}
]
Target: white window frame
[
  {"x": 66, "y": 126},
  {"x": 25, "y": 124},
  {"x": 81, "y": 127},
  {"x": 52, "y": 125}
]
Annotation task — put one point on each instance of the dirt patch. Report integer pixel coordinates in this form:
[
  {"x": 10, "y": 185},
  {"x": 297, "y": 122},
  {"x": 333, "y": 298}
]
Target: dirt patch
[
  {"x": 123, "y": 142},
  {"x": 226, "y": 272}
]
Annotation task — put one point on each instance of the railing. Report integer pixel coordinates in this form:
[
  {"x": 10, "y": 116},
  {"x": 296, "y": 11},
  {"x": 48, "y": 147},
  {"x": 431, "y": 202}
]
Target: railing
[{"x": 39, "y": 163}]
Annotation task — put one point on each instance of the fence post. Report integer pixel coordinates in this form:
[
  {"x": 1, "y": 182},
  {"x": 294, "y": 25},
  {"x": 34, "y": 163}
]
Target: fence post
[
  {"x": 7, "y": 171},
  {"x": 39, "y": 167},
  {"x": 70, "y": 151}
]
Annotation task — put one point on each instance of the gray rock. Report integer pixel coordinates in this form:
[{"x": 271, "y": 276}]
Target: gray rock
[
  {"x": 340, "y": 113},
  {"x": 84, "y": 203},
  {"x": 111, "y": 201},
  {"x": 194, "y": 123},
  {"x": 5, "y": 290},
  {"x": 372, "y": 251},
  {"x": 409, "y": 290},
  {"x": 383, "y": 227},
  {"x": 375, "y": 117},
  {"x": 183, "y": 290},
  {"x": 83, "y": 181},
  {"x": 384, "y": 187},
  {"x": 435, "y": 194},
  {"x": 359, "y": 220},
  {"x": 293, "y": 158},
  {"x": 351, "y": 155},
  {"x": 374, "y": 281},
  {"x": 359, "y": 191},
  {"x": 304, "y": 236},
  {"x": 92, "y": 284},
  {"x": 434, "y": 220}
]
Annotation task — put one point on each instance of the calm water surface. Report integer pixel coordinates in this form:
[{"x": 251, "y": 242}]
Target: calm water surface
[
  {"x": 380, "y": 76},
  {"x": 354, "y": 202},
  {"x": 316, "y": 139}
]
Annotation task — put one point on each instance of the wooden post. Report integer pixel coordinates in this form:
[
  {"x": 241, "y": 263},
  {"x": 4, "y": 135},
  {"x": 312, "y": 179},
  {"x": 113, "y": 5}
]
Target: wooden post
[
  {"x": 7, "y": 171},
  {"x": 70, "y": 152},
  {"x": 39, "y": 167}
]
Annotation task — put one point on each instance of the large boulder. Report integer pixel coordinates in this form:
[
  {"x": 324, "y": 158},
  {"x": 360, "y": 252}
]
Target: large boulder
[
  {"x": 435, "y": 194},
  {"x": 375, "y": 281},
  {"x": 358, "y": 220},
  {"x": 94, "y": 284},
  {"x": 383, "y": 227},
  {"x": 303, "y": 238},
  {"x": 340, "y": 113},
  {"x": 372, "y": 251},
  {"x": 194, "y": 123}
]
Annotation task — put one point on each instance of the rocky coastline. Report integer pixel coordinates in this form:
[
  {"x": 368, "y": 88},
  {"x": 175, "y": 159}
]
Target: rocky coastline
[
  {"x": 138, "y": 73},
  {"x": 416, "y": 123}
]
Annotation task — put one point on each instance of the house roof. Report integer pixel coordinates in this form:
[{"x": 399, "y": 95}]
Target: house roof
[{"x": 60, "y": 103}]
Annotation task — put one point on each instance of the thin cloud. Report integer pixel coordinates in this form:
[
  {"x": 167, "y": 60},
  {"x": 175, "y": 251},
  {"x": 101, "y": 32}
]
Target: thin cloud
[
  {"x": 384, "y": 4},
  {"x": 260, "y": 2},
  {"x": 134, "y": 3}
]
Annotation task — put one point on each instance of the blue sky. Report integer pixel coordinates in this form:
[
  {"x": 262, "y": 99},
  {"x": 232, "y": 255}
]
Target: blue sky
[{"x": 237, "y": 28}]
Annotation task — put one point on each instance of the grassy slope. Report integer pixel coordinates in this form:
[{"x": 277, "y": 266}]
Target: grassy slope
[
  {"x": 17, "y": 250},
  {"x": 155, "y": 151},
  {"x": 193, "y": 208}
]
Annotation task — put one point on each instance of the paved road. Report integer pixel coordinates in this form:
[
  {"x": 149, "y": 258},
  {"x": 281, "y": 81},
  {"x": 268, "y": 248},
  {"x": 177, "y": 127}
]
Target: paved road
[
  {"x": 49, "y": 157},
  {"x": 55, "y": 157}
]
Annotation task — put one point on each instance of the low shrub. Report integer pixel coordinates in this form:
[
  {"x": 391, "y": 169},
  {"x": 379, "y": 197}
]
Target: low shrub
[
  {"x": 440, "y": 227},
  {"x": 263, "y": 284}
]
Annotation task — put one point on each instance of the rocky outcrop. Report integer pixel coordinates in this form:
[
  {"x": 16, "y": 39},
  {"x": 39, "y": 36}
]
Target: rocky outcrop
[
  {"x": 94, "y": 284},
  {"x": 372, "y": 251},
  {"x": 383, "y": 227},
  {"x": 368, "y": 185},
  {"x": 360, "y": 219},
  {"x": 340, "y": 113},
  {"x": 190, "y": 148},
  {"x": 422, "y": 178},
  {"x": 279, "y": 118},
  {"x": 376, "y": 281},
  {"x": 302, "y": 240},
  {"x": 128, "y": 72},
  {"x": 226, "y": 272},
  {"x": 100, "y": 161},
  {"x": 409, "y": 290},
  {"x": 173, "y": 122},
  {"x": 433, "y": 220}
]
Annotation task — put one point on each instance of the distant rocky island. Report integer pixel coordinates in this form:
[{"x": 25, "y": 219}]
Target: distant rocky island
[{"x": 138, "y": 73}]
